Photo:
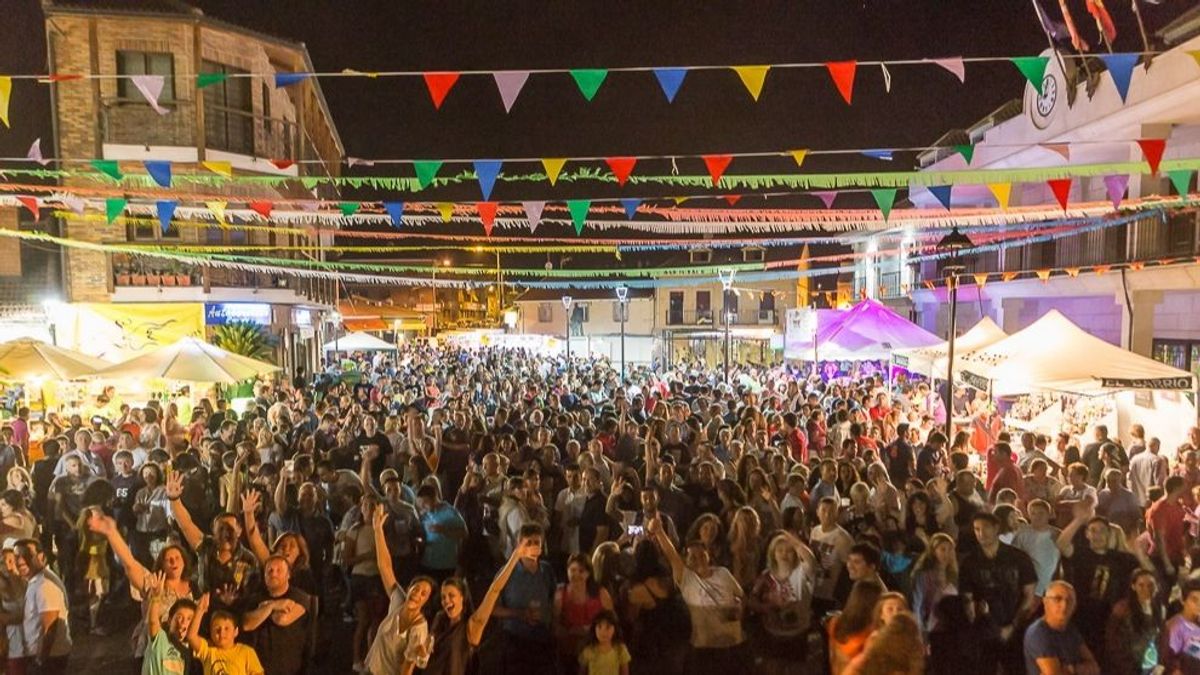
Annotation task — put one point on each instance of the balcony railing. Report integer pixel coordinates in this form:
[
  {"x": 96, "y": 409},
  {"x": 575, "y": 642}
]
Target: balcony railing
[
  {"x": 715, "y": 317},
  {"x": 145, "y": 274},
  {"x": 133, "y": 122}
]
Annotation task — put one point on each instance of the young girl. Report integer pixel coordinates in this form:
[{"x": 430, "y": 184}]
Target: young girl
[{"x": 605, "y": 653}]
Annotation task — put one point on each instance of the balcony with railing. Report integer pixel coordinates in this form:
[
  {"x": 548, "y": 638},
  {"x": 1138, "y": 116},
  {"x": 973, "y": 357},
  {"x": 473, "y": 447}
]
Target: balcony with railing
[
  {"x": 744, "y": 316},
  {"x": 169, "y": 281},
  {"x": 233, "y": 130}
]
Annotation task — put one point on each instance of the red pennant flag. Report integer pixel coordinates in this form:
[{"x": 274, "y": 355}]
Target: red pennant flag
[
  {"x": 1153, "y": 149},
  {"x": 60, "y": 77},
  {"x": 262, "y": 207},
  {"x": 283, "y": 164},
  {"x": 621, "y": 167},
  {"x": 732, "y": 199},
  {"x": 439, "y": 85},
  {"x": 31, "y": 203},
  {"x": 487, "y": 213},
  {"x": 716, "y": 166},
  {"x": 1061, "y": 189},
  {"x": 842, "y": 73}
]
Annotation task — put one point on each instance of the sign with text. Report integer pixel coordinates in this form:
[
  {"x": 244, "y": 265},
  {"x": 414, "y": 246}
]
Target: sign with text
[
  {"x": 223, "y": 313},
  {"x": 1165, "y": 383}
]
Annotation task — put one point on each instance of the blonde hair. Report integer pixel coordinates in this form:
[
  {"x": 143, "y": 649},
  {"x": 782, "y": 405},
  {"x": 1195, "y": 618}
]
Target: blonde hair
[{"x": 928, "y": 561}]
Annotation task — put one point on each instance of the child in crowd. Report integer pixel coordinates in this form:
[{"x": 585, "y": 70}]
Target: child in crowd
[
  {"x": 222, "y": 655},
  {"x": 605, "y": 653}
]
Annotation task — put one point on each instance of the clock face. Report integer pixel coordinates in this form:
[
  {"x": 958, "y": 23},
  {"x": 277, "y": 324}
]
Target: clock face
[{"x": 1045, "y": 102}]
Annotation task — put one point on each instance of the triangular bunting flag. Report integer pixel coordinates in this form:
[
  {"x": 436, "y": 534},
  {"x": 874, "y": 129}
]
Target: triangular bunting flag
[
  {"x": 579, "y": 210},
  {"x": 166, "y": 211},
  {"x": 942, "y": 194},
  {"x": 487, "y": 214},
  {"x": 1001, "y": 191},
  {"x": 716, "y": 166},
  {"x": 1181, "y": 179},
  {"x": 670, "y": 80},
  {"x": 108, "y": 167},
  {"x": 218, "y": 210},
  {"x": 113, "y": 207},
  {"x": 31, "y": 203},
  {"x": 1062, "y": 190},
  {"x": 439, "y": 85},
  {"x": 426, "y": 171},
  {"x": 1009, "y": 276},
  {"x": 283, "y": 164},
  {"x": 884, "y": 155},
  {"x": 76, "y": 204},
  {"x": 621, "y": 167},
  {"x": 208, "y": 79},
  {"x": 1044, "y": 275},
  {"x": 1116, "y": 185},
  {"x": 1101, "y": 269},
  {"x": 288, "y": 79},
  {"x": 150, "y": 87},
  {"x": 752, "y": 78},
  {"x": 1033, "y": 68},
  {"x": 799, "y": 156},
  {"x": 160, "y": 171},
  {"x": 1120, "y": 68},
  {"x": 679, "y": 200},
  {"x": 981, "y": 279},
  {"x": 884, "y": 199},
  {"x": 1136, "y": 266},
  {"x": 1063, "y": 149},
  {"x": 262, "y": 207},
  {"x": 220, "y": 168},
  {"x": 827, "y": 197},
  {"x": 1073, "y": 272},
  {"x": 553, "y": 167},
  {"x": 1195, "y": 54},
  {"x": 510, "y": 83},
  {"x": 446, "y": 209},
  {"x": 395, "y": 211},
  {"x": 589, "y": 80},
  {"x": 732, "y": 200},
  {"x": 356, "y": 161},
  {"x": 1153, "y": 149},
  {"x": 486, "y": 171},
  {"x": 5, "y": 95},
  {"x": 967, "y": 151},
  {"x": 349, "y": 208},
  {"x": 59, "y": 77},
  {"x": 842, "y": 73},
  {"x": 533, "y": 212},
  {"x": 887, "y": 78},
  {"x": 35, "y": 153},
  {"x": 954, "y": 64},
  {"x": 631, "y": 207}
]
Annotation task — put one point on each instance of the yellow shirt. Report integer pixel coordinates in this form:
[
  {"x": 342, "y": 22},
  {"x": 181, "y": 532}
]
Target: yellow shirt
[{"x": 239, "y": 659}]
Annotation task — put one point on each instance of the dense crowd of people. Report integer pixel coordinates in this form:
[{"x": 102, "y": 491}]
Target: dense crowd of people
[{"x": 667, "y": 522}]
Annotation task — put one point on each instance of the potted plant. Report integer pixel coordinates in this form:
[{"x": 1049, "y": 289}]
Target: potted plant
[
  {"x": 182, "y": 278},
  {"x": 122, "y": 273},
  {"x": 138, "y": 277},
  {"x": 168, "y": 278},
  {"x": 153, "y": 277}
]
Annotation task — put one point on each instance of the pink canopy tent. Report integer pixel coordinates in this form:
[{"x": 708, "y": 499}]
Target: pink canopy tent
[{"x": 868, "y": 331}]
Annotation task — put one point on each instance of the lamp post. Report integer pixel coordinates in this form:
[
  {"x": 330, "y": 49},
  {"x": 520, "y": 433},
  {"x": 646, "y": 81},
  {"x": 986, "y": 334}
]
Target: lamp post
[
  {"x": 50, "y": 307},
  {"x": 622, "y": 299},
  {"x": 952, "y": 243},
  {"x": 726, "y": 277},
  {"x": 436, "y": 318},
  {"x": 567, "y": 301}
]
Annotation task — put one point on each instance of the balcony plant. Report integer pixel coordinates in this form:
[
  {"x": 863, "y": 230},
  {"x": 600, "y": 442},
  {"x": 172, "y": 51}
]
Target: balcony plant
[
  {"x": 138, "y": 277},
  {"x": 121, "y": 270},
  {"x": 182, "y": 277},
  {"x": 153, "y": 277}
]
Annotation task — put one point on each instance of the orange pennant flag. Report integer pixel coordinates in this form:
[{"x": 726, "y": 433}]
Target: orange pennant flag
[
  {"x": 981, "y": 279},
  {"x": 1072, "y": 272},
  {"x": 1101, "y": 269},
  {"x": 1136, "y": 266},
  {"x": 1044, "y": 275},
  {"x": 1009, "y": 276}
]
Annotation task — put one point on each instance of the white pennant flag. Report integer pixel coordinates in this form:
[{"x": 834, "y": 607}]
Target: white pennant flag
[
  {"x": 533, "y": 211},
  {"x": 887, "y": 78},
  {"x": 151, "y": 87},
  {"x": 73, "y": 202},
  {"x": 35, "y": 153}
]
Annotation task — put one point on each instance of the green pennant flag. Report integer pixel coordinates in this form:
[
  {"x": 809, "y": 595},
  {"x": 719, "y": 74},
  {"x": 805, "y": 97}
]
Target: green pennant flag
[
  {"x": 579, "y": 210},
  {"x": 349, "y": 208},
  {"x": 1033, "y": 68},
  {"x": 107, "y": 167},
  {"x": 884, "y": 198},
  {"x": 967, "y": 151},
  {"x": 310, "y": 182},
  {"x": 426, "y": 171},
  {"x": 589, "y": 80},
  {"x": 1181, "y": 179},
  {"x": 208, "y": 79},
  {"x": 114, "y": 207}
]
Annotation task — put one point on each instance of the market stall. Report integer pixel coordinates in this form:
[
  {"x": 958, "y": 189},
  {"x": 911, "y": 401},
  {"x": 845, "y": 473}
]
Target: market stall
[
  {"x": 191, "y": 360},
  {"x": 867, "y": 332},
  {"x": 359, "y": 342},
  {"x": 933, "y": 360}
]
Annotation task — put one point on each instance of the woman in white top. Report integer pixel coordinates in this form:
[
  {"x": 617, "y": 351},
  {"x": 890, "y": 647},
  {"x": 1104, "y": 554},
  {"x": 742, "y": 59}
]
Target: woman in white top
[
  {"x": 782, "y": 601},
  {"x": 402, "y": 643}
]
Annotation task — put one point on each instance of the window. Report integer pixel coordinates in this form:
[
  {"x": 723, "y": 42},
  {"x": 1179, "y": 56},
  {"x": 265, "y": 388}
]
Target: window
[
  {"x": 754, "y": 254},
  {"x": 145, "y": 63},
  {"x": 545, "y": 312},
  {"x": 583, "y": 313},
  {"x": 701, "y": 256},
  {"x": 619, "y": 309},
  {"x": 1183, "y": 354},
  {"x": 228, "y": 111}
]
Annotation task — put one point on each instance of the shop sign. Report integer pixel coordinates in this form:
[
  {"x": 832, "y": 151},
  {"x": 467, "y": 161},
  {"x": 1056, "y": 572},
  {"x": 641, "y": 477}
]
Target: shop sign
[
  {"x": 222, "y": 313},
  {"x": 1146, "y": 383}
]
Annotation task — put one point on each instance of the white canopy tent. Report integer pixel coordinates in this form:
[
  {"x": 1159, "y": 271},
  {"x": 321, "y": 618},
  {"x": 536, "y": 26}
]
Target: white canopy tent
[
  {"x": 359, "y": 342},
  {"x": 191, "y": 360},
  {"x": 26, "y": 359},
  {"x": 1053, "y": 354},
  {"x": 934, "y": 359}
]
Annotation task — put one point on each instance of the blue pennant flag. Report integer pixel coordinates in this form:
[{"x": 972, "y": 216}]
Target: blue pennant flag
[
  {"x": 288, "y": 79},
  {"x": 1120, "y": 67},
  {"x": 160, "y": 171},
  {"x": 396, "y": 211},
  {"x": 486, "y": 171},
  {"x": 885, "y": 155},
  {"x": 631, "y": 206},
  {"x": 942, "y": 193},
  {"x": 166, "y": 211},
  {"x": 670, "y": 79}
]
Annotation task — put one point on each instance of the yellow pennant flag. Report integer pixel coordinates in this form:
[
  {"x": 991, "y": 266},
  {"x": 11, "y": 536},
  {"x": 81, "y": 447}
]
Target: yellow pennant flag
[
  {"x": 218, "y": 210},
  {"x": 1195, "y": 54},
  {"x": 446, "y": 209},
  {"x": 221, "y": 168},
  {"x": 5, "y": 92},
  {"x": 799, "y": 156},
  {"x": 679, "y": 200},
  {"x": 553, "y": 168},
  {"x": 753, "y": 77},
  {"x": 1001, "y": 192}
]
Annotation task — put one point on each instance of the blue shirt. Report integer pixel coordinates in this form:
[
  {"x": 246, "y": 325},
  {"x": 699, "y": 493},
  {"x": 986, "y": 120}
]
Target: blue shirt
[
  {"x": 1043, "y": 642},
  {"x": 441, "y": 548},
  {"x": 527, "y": 589}
]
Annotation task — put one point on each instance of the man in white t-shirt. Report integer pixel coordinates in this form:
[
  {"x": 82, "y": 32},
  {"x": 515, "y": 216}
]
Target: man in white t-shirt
[
  {"x": 831, "y": 544},
  {"x": 47, "y": 633},
  {"x": 1038, "y": 539},
  {"x": 567, "y": 507}
]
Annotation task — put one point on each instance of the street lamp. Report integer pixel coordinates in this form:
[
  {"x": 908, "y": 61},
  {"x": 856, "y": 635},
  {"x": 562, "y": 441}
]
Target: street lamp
[
  {"x": 567, "y": 301},
  {"x": 445, "y": 262},
  {"x": 622, "y": 299},
  {"x": 51, "y": 307},
  {"x": 726, "y": 277},
  {"x": 952, "y": 243}
]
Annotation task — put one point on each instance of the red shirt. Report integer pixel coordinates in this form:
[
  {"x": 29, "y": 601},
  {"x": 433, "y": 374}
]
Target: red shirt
[
  {"x": 1008, "y": 477},
  {"x": 1164, "y": 520},
  {"x": 798, "y": 445}
]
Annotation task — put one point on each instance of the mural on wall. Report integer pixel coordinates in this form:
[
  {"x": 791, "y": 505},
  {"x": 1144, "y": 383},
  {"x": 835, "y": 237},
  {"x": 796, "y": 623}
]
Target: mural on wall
[{"x": 115, "y": 332}]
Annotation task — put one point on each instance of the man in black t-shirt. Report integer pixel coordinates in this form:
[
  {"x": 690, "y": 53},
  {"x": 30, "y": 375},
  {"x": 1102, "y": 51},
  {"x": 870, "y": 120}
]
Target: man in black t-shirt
[
  {"x": 900, "y": 459},
  {"x": 371, "y": 437},
  {"x": 126, "y": 482},
  {"x": 932, "y": 457},
  {"x": 594, "y": 523},
  {"x": 276, "y": 621},
  {"x": 1099, "y": 573},
  {"x": 1002, "y": 577}
]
